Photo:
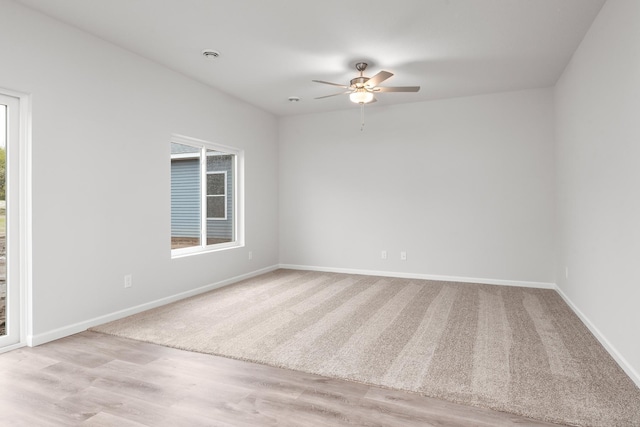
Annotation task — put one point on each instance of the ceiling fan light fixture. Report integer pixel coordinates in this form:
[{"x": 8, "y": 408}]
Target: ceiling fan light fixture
[
  {"x": 361, "y": 96},
  {"x": 361, "y": 89}
]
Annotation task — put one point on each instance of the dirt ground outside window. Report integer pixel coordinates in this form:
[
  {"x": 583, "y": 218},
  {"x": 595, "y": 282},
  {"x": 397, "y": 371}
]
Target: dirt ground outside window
[{"x": 187, "y": 242}]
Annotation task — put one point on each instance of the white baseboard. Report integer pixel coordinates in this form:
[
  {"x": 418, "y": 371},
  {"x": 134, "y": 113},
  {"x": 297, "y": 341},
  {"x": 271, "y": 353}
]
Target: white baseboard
[
  {"x": 11, "y": 347},
  {"x": 539, "y": 285},
  {"x": 628, "y": 369},
  {"x": 34, "y": 340}
]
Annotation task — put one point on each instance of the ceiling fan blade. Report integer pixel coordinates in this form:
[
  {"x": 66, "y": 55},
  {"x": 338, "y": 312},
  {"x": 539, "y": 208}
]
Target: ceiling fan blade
[
  {"x": 398, "y": 89},
  {"x": 329, "y": 83},
  {"x": 334, "y": 94},
  {"x": 378, "y": 78}
]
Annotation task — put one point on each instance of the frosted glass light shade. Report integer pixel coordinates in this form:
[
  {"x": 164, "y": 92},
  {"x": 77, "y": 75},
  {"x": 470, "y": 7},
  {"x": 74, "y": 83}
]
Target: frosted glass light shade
[{"x": 361, "y": 96}]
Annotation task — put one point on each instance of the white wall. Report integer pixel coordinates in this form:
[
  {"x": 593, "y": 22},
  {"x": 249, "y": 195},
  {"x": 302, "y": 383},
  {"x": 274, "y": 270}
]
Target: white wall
[
  {"x": 465, "y": 186},
  {"x": 598, "y": 160},
  {"x": 102, "y": 119}
]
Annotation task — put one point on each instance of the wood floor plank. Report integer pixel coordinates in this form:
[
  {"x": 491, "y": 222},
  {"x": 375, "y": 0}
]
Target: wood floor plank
[
  {"x": 94, "y": 400},
  {"x": 446, "y": 412},
  {"x": 92, "y": 379},
  {"x": 104, "y": 419},
  {"x": 15, "y": 360}
]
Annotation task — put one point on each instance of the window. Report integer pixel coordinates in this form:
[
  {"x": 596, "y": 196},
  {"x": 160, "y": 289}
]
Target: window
[
  {"x": 217, "y": 195},
  {"x": 205, "y": 196}
]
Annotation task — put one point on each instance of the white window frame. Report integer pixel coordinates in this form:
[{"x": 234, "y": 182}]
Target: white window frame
[
  {"x": 226, "y": 199},
  {"x": 19, "y": 247},
  {"x": 238, "y": 199}
]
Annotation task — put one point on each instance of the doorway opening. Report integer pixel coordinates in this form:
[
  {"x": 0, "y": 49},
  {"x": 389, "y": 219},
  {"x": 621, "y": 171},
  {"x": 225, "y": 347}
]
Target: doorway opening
[{"x": 14, "y": 219}]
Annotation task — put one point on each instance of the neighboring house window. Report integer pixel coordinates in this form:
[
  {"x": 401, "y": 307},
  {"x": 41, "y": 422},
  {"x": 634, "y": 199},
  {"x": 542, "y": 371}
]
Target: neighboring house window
[
  {"x": 205, "y": 196},
  {"x": 217, "y": 195}
]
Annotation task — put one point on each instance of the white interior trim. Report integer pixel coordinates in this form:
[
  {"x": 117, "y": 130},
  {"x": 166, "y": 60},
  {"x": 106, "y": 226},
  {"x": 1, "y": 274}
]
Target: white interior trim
[
  {"x": 622, "y": 362},
  {"x": 26, "y": 233},
  {"x": 34, "y": 340},
  {"x": 632, "y": 373},
  {"x": 24, "y": 229},
  {"x": 539, "y": 285}
]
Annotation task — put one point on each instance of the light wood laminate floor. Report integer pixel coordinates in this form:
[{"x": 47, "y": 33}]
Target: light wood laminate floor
[{"x": 100, "y": 380}]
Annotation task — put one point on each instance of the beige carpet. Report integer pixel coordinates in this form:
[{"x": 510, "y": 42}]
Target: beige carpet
[{"x": 517, "y": 350}]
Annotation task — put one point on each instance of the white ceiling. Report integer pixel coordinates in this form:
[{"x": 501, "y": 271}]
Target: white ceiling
[{"x": 272, "y": 49}]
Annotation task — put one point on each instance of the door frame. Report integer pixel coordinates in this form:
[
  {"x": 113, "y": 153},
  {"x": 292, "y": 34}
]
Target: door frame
[{"x": 21, "y": 237}]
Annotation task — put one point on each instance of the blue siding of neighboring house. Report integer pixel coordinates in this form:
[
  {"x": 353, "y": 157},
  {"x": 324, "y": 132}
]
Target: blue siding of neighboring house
[{"x": 185, "y": 198}]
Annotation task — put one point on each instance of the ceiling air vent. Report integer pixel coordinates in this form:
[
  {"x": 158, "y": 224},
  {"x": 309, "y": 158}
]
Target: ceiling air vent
[{"x": 210, "y": 54}]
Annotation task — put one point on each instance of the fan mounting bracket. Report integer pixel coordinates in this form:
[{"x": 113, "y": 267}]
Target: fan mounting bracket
[{"x": 361, "y": 66}]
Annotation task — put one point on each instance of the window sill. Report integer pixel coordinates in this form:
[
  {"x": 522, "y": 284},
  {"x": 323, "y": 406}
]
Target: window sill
[{"x": 196, "y": 250}]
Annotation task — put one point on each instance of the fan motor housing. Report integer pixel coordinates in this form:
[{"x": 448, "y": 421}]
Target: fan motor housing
[{"x": 359, "y": 82}]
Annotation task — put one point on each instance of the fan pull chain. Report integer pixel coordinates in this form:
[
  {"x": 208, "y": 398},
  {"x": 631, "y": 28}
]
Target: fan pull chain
[{"x": 361, "y": 116}]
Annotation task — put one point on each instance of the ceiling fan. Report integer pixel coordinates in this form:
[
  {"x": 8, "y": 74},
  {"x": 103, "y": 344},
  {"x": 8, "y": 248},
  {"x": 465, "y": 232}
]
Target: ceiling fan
[{"x": 362, "y": 90}]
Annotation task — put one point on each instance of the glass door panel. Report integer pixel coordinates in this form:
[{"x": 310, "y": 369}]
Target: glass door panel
[{"x": 9, "y": 224}]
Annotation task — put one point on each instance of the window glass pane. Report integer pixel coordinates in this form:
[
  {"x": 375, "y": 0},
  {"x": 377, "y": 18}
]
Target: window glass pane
[
  {"x": 185, "y": 196},
  {"x": 218, "y": 161},
  {"x": 215, "y": 207},
  {"x": 215, "y": 184},
  {"x": 184, "y": 149}
]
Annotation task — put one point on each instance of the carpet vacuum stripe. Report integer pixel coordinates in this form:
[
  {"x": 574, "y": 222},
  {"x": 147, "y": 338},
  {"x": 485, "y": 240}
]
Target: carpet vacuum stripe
[{"x": 517, "y": 350}]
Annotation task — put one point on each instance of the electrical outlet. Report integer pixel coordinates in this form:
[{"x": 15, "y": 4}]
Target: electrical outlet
[
  {"x": 566, "y": 272},
  {"x": 403, "y": 256},
  {"x": 128, "y": 281},
  {"x": 250, "y": 255},
  {"x": 383, "y": 254}
]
